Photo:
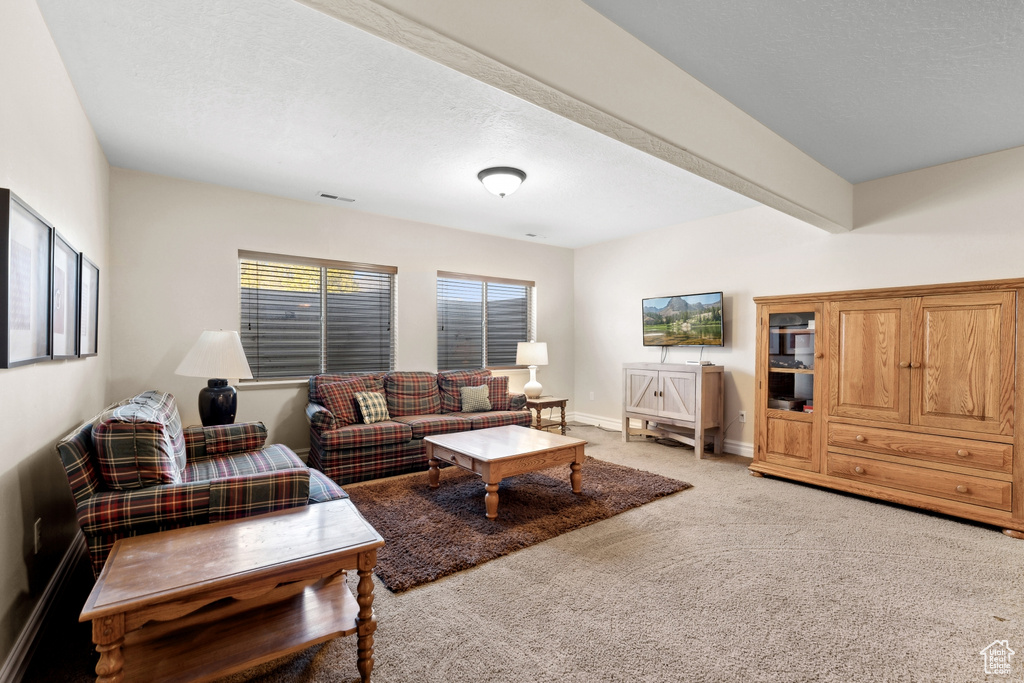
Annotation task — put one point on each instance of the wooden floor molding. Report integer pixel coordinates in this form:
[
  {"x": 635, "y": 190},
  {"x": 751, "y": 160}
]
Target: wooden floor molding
[{"x": 17, "y": 661}]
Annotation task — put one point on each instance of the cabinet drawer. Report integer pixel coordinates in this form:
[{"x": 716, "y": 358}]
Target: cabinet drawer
[
  {"x": 949, "y": 485},
  {"x": 982, "y": 455}
]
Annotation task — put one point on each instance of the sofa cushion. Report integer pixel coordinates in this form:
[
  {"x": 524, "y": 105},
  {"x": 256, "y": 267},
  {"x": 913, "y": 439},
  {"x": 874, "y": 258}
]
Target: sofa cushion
[
  {"x": 502, "y": 418},
  {"x": 340, "y": 399},
  {"x": 375, "y": 379},
  {"x": 140, "y": 443},
  {"x": 450, "y": 381},
  {"x": 373, "y": 406},
  {"x": 427, "y": 425},
  {"x": 362, "y": 435},
  {"x": 474, "y": 399},
  {"x": 412, "y": 393},
  {"x": 269, "y": 459},
  {"x": 498, "y": 392}
]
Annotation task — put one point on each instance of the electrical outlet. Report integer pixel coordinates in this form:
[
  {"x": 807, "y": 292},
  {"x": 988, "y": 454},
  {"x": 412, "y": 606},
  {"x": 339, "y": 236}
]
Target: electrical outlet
[
  {"x": 743, "y": 416},
  {"x": 37, "y": 541},
  {"x": 591, "y": 395}
]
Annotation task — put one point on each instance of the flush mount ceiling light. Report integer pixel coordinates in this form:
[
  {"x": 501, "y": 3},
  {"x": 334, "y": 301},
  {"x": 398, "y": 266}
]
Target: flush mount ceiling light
[{"x": 501, "y": 180}]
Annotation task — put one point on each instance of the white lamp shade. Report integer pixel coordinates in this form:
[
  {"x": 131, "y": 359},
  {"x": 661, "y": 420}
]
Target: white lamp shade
[
  {"x": 501, "y": 181},
  {"x": 217, "y": 354},
  {"x": 532, "y": 353}
]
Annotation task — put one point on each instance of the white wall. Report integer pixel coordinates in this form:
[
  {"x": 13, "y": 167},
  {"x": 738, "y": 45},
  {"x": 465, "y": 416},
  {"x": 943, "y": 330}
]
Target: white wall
[
  {"x": 956, "y": 222},
  {"x": 174, "y": 250},
  {"x": 49, "y": 157}
]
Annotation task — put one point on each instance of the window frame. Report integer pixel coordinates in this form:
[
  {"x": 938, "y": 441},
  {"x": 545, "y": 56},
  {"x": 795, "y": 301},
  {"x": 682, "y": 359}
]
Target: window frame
[{"x": 325, "y": 265}]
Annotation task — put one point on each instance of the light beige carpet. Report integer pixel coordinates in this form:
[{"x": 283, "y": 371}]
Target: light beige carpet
[{"x": 738, "y": 579}]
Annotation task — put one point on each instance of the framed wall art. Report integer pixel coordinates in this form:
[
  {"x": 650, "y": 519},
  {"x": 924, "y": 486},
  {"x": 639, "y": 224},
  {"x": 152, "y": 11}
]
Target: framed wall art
[
  {"x": 88, "y": 307},
  {"x": 64, "y": 298},
  {"x": 26, "y": 245}
]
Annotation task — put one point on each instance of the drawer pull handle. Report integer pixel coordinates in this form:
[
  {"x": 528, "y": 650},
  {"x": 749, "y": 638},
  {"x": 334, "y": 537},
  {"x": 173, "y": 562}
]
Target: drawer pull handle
[
  {"x": 915, "y": 365},
  {"x": 904, "y": 364},
  {"x": 961, "y": 489},
  {"x": 858, "y": 469},
  {"x": 860, "y": 438},
  {"x": 963, "y": 453}
]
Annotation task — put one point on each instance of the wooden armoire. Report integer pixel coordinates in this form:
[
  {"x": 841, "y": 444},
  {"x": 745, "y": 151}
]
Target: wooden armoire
[{"x": 905, "y": 394}]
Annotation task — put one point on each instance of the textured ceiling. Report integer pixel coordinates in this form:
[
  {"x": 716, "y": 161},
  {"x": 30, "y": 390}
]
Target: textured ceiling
[
  {"x": 866, "y": 88},
  {"x": 273, "y": 97}
]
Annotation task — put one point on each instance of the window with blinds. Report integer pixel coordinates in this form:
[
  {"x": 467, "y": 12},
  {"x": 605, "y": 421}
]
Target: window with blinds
[
  {"x": 302, "y": 317},
  {"x": 481, "y": 320}
]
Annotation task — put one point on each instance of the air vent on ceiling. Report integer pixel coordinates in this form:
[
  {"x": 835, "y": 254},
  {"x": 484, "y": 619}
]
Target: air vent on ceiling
[
  {"x": 328, "y": 195},
  {"x": 533, "y": 234}
]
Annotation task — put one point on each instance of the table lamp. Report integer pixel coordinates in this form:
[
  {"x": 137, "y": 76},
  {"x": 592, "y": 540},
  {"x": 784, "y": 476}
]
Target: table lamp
[
  {"x": 532, "y": 354},
  {"x": 218, "y": 353}
]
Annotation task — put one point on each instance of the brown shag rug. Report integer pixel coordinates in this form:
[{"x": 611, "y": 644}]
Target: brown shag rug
[{"x": 430, "y": 533}]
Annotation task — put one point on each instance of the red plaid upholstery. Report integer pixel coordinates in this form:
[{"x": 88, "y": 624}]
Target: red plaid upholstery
[
  {"x": 450, "y": 381},
  {"x": 111, "y": 511},
  {"x": 372, "y": 462},
  {"x": 322, "y": 489},
  {"x": 140, "y": 443},
  {"x": 425, "y": 425},
  {"x": 202, "y": 443},
  {"x": 498, "y": 392},
  {"x": 317, "y": 381},
  {"x": 269, "y": 459},
  {"x": 76, "y": 456},
  {"x": 319, "y": 417},
  {"x": 412, "y": 393},
  {"x": 361, "y": 435},
  {"x": 340, "y": 399},
  {"x": 248, "y": 495},
  {"x": 498, "y": 419}
]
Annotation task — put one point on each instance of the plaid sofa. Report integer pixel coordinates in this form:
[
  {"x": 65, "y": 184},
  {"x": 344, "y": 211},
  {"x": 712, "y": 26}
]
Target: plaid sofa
[
  {"x": 133, "y": 470},
  {"x": 419, "y": 404}
]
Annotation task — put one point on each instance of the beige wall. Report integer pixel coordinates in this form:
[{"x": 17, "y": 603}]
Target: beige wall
[
  {"x": 49, "y": 157},
  {"x": 955, "y": 222},
  {"x": 174, "y": 251}
]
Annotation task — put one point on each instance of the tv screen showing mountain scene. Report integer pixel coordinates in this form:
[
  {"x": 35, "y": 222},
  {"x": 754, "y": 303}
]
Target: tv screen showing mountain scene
[{"x": 686, "y": 320}]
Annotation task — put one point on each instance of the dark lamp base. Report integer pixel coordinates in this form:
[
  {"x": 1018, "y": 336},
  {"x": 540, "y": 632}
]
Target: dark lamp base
[{"x": 217, "y": 403}]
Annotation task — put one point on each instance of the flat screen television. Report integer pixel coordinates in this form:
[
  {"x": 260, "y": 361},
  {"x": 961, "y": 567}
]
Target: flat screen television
[{"x": 684, "y": 320}]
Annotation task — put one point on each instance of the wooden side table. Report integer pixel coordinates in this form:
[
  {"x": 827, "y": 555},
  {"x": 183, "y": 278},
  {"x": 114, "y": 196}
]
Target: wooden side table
[{"x": 540, "y": 403}]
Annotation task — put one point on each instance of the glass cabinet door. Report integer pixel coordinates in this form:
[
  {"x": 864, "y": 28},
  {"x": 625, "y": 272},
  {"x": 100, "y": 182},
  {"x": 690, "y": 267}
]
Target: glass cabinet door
[{"x": 791, "y": 356}]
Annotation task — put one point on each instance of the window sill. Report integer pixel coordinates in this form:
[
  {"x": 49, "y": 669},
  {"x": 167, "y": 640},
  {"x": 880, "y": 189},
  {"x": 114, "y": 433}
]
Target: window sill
[{"x": 253, "y": 384}]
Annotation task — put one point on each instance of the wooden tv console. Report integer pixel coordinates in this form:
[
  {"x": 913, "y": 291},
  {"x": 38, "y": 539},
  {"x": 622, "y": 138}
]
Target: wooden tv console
[{"x": 904, "y": 394}]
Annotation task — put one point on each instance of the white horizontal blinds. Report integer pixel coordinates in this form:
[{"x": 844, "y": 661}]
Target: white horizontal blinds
[
  {"x": 508, "y": 321},
  {"x": 280, "y": 327},
  {"x": 358, "y": 323},
  {"x": 481, "y": 320},
  {"x": 460, "y": 332},
  {"x": 302, "y": 317}
]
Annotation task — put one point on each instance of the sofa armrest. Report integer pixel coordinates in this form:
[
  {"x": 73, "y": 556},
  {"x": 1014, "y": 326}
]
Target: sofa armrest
[
  {"x": 516, "y": 401},
  {"x": 255, "y": 494},
  {"x": 319, "y": 417},
  {"x": 110, "y": 512},
  {"x": 203, "y": 443}
]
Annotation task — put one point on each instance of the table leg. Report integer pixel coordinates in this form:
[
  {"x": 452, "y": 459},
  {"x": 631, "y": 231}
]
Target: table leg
[
  {"x": 108, "y": 634},
  {"x": 434, "y": 463},
  {"x": 563, "y": 419},
  {"x": 576, "y": 477},
  {"x": 366, "y": 622},
  {"x": 698, "y": 442},
  {"x": 491, "y": 500}
]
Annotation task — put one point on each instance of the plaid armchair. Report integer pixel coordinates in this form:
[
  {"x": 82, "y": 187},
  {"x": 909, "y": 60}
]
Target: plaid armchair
[{"x": 134, "y": 470}]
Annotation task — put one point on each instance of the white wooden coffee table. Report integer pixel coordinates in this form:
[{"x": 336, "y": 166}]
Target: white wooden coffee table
[{"x": 501, "y": 452}]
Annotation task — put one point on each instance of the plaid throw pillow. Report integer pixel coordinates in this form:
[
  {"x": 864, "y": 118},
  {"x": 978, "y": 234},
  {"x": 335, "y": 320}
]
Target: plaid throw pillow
[
  {"x": 340, "y": 399},
  {"x": 373, "y": 406},
  {"x": 498, "y": 392},
  {"x": 474, "y": 399}
]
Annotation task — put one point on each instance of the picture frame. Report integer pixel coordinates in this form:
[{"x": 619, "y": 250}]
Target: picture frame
[
  {"x": 26, "y": 254},
  {"x": 88, "y": 307},
  {"x": 64, "y": 299}
]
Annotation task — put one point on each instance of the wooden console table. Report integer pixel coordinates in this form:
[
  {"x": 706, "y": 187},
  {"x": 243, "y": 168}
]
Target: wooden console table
[
  {"x": 203, "y": 602},
  {"x": 539, "y": 404}
]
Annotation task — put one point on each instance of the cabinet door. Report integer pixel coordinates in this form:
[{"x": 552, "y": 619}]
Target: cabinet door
[
  {"x": 963, "y": 362},
  {"x": 869, "y": 357},
  {"x": 642, "y": 391},
  {"x": 678, "y": 395}
]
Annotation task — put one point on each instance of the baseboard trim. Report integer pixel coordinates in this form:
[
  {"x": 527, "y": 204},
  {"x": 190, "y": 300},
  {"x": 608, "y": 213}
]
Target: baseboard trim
[
  {"x": 729, "y": 446},
  {"x": 18, "y": 660}
]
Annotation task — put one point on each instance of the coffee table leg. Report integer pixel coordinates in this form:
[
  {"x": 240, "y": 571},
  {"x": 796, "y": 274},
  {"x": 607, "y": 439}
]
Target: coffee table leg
[
  {"x": 491, "y": 500},
  {"x": 366, "y": 623},
  {"x": 576, "y": 477},
  {"x": 108, "y": 634}
]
